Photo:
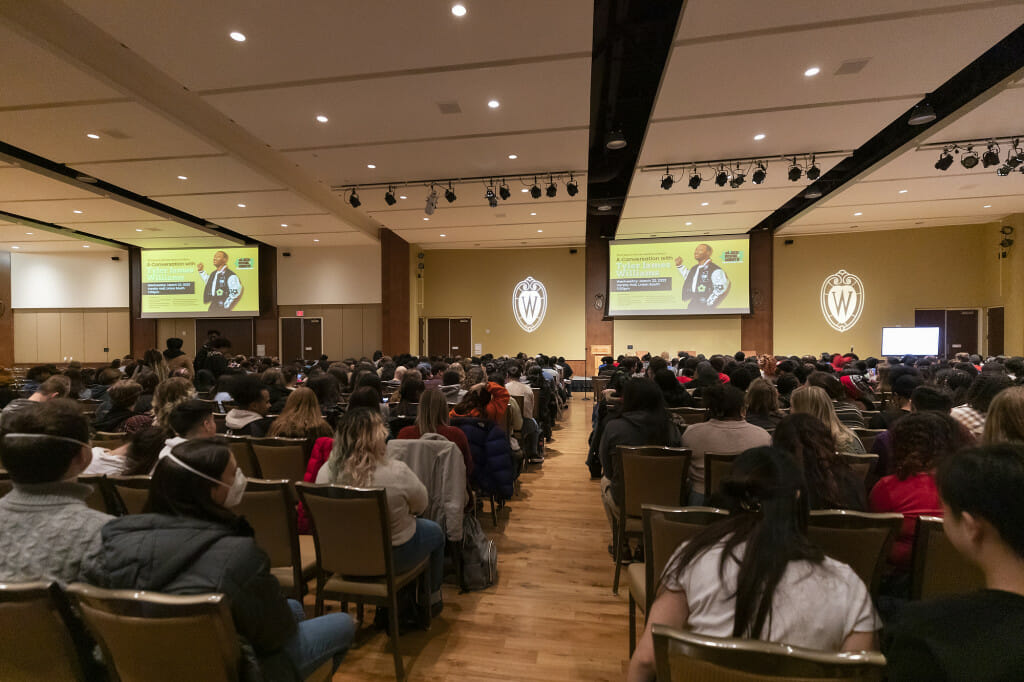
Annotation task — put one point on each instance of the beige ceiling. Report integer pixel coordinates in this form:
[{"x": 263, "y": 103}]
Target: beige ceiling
[{"x": 171, "y": 95}]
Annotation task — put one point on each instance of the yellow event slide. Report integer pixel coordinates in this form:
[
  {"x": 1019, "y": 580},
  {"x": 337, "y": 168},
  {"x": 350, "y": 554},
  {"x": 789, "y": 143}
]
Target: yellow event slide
[
  {"x": 681, "y": 276},
  {"x": 200, "y": 282}
]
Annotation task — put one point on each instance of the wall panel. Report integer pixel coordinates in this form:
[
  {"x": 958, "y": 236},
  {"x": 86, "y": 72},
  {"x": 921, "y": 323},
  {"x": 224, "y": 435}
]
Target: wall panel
[
  {"x": 26, "y": 347},
  {"x": 352, "y": 332},
  {"x": 94, "y": 336},
  {"x": 48, "y": 343},
  {"x": 373, "y": 329},
  {"x": 72, "y": 329}
]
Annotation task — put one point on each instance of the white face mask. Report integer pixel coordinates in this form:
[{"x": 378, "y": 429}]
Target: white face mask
[{"x": 235, "y": 489}]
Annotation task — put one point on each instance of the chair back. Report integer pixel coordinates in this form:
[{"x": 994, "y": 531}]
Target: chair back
[
  {"x": 598, "y": 385},
  {"x": 151, "y": 637},
  {"x": 131, "y": 492},
  {"x": 684, "y": 655},
  {"x": 242, "y": 450},
  {"x": 665, "y": 528},
  {"x": 938, "y": 569},
  {"x": 862, "y": 465},
  {"x": 351, "y": 529},
  {"x": 690, "y": 415},
  {"x": 5, "y": 483},
  {"x": 652, "y": 475},
  {"x": 89, "y": 406},
  {"x": 100, "y": 498},
  {"x": 521, "y": 401},
  {"x": 35, "y": 643},
  {"x": 267, "y": 506},
  {"x": 111, "y": 440},
  {"x": 282, "y": 458},
  {"x": 867, "y": 437},
  {"x": 859, "y": 539},
  {"x": 717, "y": 467},
  {"x": 220, "y": 419}
]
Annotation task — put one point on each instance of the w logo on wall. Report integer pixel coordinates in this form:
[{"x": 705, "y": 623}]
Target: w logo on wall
[
  {"x": 529, "y": 303},
  {"x": 842, "y": 300}
]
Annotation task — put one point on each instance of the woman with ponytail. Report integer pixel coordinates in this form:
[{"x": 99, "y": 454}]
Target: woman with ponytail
[{"x": 756, "y": 575}]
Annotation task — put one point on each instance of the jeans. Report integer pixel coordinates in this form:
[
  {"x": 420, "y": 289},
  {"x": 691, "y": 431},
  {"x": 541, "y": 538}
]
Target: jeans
[
  {"x": 428, "y": 540},
  {"x": 318, "y": 639}
]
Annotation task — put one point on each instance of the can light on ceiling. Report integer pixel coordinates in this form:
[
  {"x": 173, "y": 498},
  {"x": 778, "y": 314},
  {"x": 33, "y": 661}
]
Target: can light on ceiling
[
  {"x": 92, "y": 136},
  {"x": 458, "y": 10},
  {"x": 241, "y": 205},
  {"x": 237, "y": 36},
  {"x": 321, "y": 118},
  {"x": 513, "y": 157},
  {"x": 813, "y": 71},
  {"x": 759, "y": 137},
  {"x": 494, "y": 104},
  {"x": 183, "y": 177}
]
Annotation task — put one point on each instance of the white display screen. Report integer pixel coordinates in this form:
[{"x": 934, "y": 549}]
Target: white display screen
[{"x": 910, "y": 341}]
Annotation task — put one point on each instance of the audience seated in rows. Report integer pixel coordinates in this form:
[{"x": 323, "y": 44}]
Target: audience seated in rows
[
  {"x": 120, "y": 407},
  {"x": 831, "y": 482},
  {"x": 56, "y": 386},
  {"x": 814, "y": 401},
  {"x": 301, "y": 418},
  {"x": 253, "y": 400}
]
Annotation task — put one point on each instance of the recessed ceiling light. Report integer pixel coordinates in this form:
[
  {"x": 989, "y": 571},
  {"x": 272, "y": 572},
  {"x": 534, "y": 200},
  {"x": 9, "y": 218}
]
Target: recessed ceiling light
[
  {"x": 426, "y": 219},
  {"x": 540, "y": 230},
  {"x": 444, "y": 235},
  {"x": 237, "y": 36},
  {"x": 759, "y": 137},
  {"x": 321, "y": 118},
  {"x": 524, "y": 190},
  {"x": 76, "y": 211},
  {"x": 183, "y": 177},
  {"x": 533, "y": 213},
  {"x": 138, "y": 229},
  {"x": 858, "y": 213},
  {"x": 513, "y": 157},
  {"x": 688, "y": 223},
  {"x": 371, "y": 166},
  {"x": 402, "y": 196},
  {"x": 29, "y": 233},
  {"x": 92, "y": 136},
  {"x": 813, "y": 71},
  {"x": 15, "y": 247},
  {"x": 987, "y": 206},
  {"x": 459, "y": 10},
  {"x": 85, "y": 246},
  {"x": 284, "y": 224},
  {"x": 903, "y": 191},
  {"x": 703, "y": 203},
  {"x": 241, "y": 205},
  {"x": 316, "y": 240},
  {"x": 494, "y": 104}
]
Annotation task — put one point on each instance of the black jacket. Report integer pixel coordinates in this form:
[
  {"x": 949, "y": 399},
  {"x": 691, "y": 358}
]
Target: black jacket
[
  {"x": 184, "y": 555},
  {"x": 633, "y": 428}
]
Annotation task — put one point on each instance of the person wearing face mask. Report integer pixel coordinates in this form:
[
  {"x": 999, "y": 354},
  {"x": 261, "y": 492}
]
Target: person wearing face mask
[{"x": 188, "y": 541}]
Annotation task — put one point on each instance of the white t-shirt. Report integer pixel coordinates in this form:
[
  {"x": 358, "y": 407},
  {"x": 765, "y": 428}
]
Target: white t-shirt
[{"x": 815, "y": 606}]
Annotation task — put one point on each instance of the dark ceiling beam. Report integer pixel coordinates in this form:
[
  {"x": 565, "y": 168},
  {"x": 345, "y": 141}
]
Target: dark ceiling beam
[
  {"x": 980, "y": 80},
  {"x": 632, "y": 43}
]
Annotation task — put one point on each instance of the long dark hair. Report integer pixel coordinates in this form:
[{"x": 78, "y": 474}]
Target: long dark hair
[
  {"x": 144, "y": 449},
  {"x": 767, "y": 500},
  {"x": 176, "y": 491},
  {"x": 807, "y": 439},
  {"x": 643, "y": 395}
]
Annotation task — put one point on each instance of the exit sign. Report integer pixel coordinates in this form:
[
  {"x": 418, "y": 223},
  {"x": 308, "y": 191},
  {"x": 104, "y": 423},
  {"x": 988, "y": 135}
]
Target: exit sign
[{"x": 299, "y": 313}]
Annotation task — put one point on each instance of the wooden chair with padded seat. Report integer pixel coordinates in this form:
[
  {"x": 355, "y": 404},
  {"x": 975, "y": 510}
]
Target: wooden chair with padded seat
[
  {"x": 268, "y": 507},
  {"x": 597, "y": 385},
  {"x": 354, "y": 561},
  {"x": 220, "y": 419},
  {"x": 111, "y": 440},
  {"x": 862, "y": 465},
  {"x": 651, "y": 474},
  {"x": 152, "y": 637},
  {"x": 101, "y": 498},
  {"x": 282, "y": 458},
  {"x": 717, "y": 466},
  {"x": 867, "y": 437},
  {"x": 860, "y": 539},
  {"x": 690, "y": 415},
  {"x": 89, "y": 406},
  {"x": 665, "y": 528},
  {"x": 241, "y": 448},
  {"x": 685, "y": 655},
  {"x": 938, "y": 569},
  {"x": 130, "y": 492},
  {"x": 35, "y": 640}
]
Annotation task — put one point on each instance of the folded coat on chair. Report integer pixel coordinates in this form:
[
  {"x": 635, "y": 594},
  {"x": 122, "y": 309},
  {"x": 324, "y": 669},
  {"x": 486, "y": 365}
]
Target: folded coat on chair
[{"x": 439, "y": 465}]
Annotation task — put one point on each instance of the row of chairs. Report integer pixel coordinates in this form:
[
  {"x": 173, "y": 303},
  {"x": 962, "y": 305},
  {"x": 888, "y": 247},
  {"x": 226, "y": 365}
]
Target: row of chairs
[
  {"x": 658, "y": 475},
  {"x": 859, "y": 539}
]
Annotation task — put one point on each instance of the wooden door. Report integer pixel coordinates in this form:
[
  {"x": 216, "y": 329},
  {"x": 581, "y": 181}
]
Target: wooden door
[
  {"x": 933, "y": 318},
  {"x": 236, "y": 330},
  {"x": 438, "y": 337},
  {"x": 312, "y": 338},
  {"x": 291, "y": 339},
  {"x": 995, "y": 331},
  {"x": 962, "y": 332},
  {"x": 461, "y": 335}
]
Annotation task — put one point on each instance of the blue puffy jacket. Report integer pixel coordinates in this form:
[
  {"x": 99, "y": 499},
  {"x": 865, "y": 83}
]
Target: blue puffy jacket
[{"x": 493, "y": 472}]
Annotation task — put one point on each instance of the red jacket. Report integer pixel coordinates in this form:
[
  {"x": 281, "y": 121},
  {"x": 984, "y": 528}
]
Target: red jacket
[{"x": 321, "y": 453}]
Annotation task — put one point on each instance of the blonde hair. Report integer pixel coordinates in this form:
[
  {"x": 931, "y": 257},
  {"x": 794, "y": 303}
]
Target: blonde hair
[
  {"x": 169, "y": 394},
  {"x": 813, "y": 400},
  {"x": 301, "y": 417},
  {"x": 432, "y": 412},
  {"x": 1004, "y": 421},
  {"x": 359, "y": 447}
]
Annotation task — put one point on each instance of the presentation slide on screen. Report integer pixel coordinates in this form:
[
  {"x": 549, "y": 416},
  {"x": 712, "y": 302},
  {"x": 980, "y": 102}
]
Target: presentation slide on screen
[
  {"x": 682, "y": 276},
  {"x": 200, "y": 282}
]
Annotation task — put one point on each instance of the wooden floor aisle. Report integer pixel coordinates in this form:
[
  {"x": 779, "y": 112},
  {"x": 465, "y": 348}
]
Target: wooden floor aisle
[{"x": 551, "y": 615}]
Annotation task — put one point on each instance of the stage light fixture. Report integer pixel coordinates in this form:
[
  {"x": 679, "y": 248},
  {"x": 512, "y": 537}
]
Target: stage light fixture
[
  {"x": 991, "y": 156},
  {"x": 760, "y": 174},
  {"x": 535, "y": 190},
  {"x": 389, "y": 197},
  {"x": 795, "y": 172},
  {"x": 738, "y": 178},
  {"x": 721, "y": 177},
  {"x": 695, "y": 179},
  {"x": 449, "y": 194},
  {"x": 1015, "y": 156},
  {"x": 571, "y": 188},
  {"x": 615, "y": 140},
  {"x": 813, "y": 173},
  {"x": 921, "y": 114},
  {"x": 492, "y": 198},
  {"x": 504, "y": 192},
  {"x": 431, "y": 202},
  {"x": 969, "y": 159},
  {"x": 552, "y": 189},
  {"x": 945, "y": 160},
  {"x": 353, "y": 199},
  {"x": 1003, "y": 171},
  {"x": 667, "y": 180}
]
